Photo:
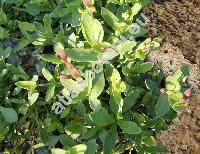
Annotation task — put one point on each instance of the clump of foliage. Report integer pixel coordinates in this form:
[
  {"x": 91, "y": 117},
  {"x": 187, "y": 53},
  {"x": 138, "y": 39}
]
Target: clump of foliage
[{"x": 118, "y": 108}]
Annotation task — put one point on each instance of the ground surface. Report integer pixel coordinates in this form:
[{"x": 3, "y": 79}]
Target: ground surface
[{"x": 179, "y": 22}]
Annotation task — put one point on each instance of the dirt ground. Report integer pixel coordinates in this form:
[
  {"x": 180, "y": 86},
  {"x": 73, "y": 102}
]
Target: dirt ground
[{"x": 179, "y": 22}]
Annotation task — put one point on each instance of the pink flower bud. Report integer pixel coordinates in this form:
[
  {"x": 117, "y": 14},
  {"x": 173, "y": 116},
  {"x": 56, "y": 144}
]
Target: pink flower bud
[
  {"x": 73, "y": 71},
  {"x": 187, "y": 93},
  {"x": 87, "y": 2},
  {"x": 162, "y": 90},
  {"x": 62, "y": 55}
]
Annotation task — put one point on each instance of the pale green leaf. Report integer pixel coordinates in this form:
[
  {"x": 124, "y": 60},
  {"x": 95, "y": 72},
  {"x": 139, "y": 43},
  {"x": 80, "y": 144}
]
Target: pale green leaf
[
  {"x": 50, "y": 92},
  {"x": 47, "y": 74},
  {"x": 51, "y": 58},
  {"x": 32, "y": 97},
  {"x": 29, "y": 85}
]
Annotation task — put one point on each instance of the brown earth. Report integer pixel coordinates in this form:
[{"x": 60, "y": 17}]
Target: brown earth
[{"x": 179, "y": 22}]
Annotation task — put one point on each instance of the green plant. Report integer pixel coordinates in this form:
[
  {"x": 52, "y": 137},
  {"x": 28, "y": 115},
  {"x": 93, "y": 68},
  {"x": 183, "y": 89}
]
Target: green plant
[{"x": 113, "y": 94}]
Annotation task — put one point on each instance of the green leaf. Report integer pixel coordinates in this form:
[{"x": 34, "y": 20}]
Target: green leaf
[
  {"x": 101, "y": 117},
  {"x": 98, "y": 84},
  {"x": 130, "y": 100},
  {"x": 155, "y": 149},
  {"x": 66, "y": 112},
  {"x": 116, "y": 101},
  {"x": 90, "y": 133},
  {"x": 78, "y": 149},
  {"x": 135, "y": 9},
  {"x": 58, "y": 151},
  {"x": 72, "y": 40},
  {"x": 67, "y": 141},
  {"x": 29, "y": 85},
  {"x": 152, "y": 85},
  {"x": 26, "y": 26},
  {"x": 175, "y": 101},
  {"x": 111, "y": 19},
  {"x": 95, "y": 103},
  {"x": 51, "y": 58},
  {"x": 110, "y": 140},
  {"x": 50, "y": 92},
  {"x": 3, "y": 17},
  {"x": 81, "y": 108},
  {"x": 52, "y": 140},
  {"x": 5, "y": 53},
  {"x": 33, "y": 98},
  {"x": 3, "y": 33},
  {"x": 47, "y": 74},
  {"x": 68, "y": 83},
  {"x": 102, "y": 135},
  {"x": 47, "y": 25},
  {"x": 162, "y": 106},
  {"x": 142, "y": 68},
  {"x": 126, "y": 46},
  {"x": 91, "y": 146},
  {"x": 9, "y": 114},
  {"x": 60, "y": 12},
  {"x": 87, "y": 29},
  {"x": 129, "y": 127},
  {"x": 174, "y": 82},
  {"x": 82, "y": 55},
  {"x": 140, "y": 52},
  {"x": 149, "y": 141},
  {"x": 22, "y": 44},
  {"x": 18, "y": 71},
  {"x": 92, "y": 30},
  {"x": 75, "y": 129},
  {"x": 34, "y": 8},
  {"x": 98, "y": 31}
]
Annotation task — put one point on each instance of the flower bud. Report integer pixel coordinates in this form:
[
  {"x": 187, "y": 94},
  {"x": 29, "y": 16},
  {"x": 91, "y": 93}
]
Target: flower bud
[
  {"x": 187, "y": 93},
  {"x": 88, "y": 2},
  {"x": 162, "y": 90},
  {"x": 62, "y": 55},
  {"x": 73, "y": 71}
]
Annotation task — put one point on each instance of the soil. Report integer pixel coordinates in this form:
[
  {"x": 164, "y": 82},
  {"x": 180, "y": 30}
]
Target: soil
[{"x": 179, "y": 22}]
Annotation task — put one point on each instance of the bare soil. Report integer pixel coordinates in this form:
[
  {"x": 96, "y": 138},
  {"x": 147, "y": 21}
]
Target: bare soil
[{"x": 179, "y": 22}]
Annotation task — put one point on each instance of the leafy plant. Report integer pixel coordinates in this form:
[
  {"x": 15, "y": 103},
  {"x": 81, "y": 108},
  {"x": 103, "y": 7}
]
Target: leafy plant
[{"x": 92, "y": 91}]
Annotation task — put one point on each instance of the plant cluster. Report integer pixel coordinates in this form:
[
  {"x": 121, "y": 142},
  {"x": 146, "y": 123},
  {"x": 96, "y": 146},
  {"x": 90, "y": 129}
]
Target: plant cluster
[{"x": 116, "y": 101}]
